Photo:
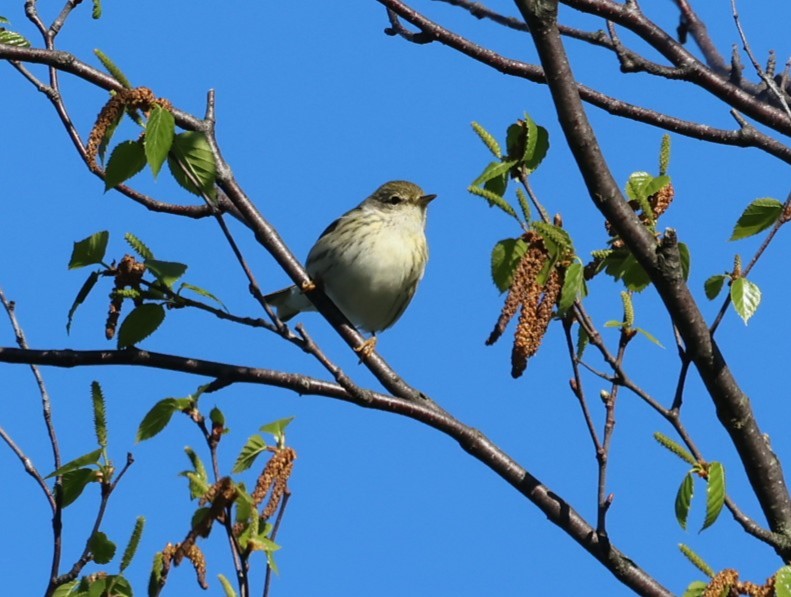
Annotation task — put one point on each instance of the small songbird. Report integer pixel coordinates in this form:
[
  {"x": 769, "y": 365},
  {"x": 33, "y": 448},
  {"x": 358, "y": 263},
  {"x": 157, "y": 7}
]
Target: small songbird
[{"x": 369, "y": 261}]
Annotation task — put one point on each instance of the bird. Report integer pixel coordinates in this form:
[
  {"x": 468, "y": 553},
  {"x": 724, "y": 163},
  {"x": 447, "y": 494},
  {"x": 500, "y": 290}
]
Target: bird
[{"x": 369, "y": 261}]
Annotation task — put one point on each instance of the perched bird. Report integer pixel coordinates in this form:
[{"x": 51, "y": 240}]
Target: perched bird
[{"x": 369, "y": 261}]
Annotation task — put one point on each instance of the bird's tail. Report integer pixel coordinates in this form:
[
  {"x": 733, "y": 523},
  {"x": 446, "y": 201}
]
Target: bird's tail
[{"x": 288, "y": 302}]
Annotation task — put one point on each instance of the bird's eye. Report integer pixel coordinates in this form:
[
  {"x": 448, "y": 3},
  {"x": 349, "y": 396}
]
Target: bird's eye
[{"x": 394, "y": 200}]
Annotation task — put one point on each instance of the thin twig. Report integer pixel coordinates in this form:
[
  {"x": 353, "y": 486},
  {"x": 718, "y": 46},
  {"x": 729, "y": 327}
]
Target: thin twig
[
  {"x": 273, "y": 535},
  {"x": 765, "y": 77}
]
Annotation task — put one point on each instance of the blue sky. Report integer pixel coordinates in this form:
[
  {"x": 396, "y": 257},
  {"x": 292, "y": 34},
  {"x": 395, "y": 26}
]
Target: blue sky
[{"x": 315, "y": 108}]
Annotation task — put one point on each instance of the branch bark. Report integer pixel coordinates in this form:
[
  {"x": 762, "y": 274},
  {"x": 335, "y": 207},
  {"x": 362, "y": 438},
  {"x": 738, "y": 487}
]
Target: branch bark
[
  {"x": 558, "y": 511},
  {"x": 661, "y": 262}
]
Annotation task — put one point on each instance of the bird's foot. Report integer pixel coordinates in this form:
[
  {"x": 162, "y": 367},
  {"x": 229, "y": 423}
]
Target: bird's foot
[
  {"x": 308, "y": 286},
  {"x": 366, "y": 348}
]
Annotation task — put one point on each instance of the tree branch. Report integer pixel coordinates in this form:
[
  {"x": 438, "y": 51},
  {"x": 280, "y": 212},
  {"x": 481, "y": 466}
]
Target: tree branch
[
  {"x": 662, "y": 263},
  {"x": 743, "y": 137},
  {"x": 471, "y": 440}
]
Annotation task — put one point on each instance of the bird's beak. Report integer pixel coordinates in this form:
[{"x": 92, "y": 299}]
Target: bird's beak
[{"x": 426, "y": 199}]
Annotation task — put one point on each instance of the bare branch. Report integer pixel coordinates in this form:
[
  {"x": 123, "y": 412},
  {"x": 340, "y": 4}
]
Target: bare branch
[{"x": 743, "y": 137}]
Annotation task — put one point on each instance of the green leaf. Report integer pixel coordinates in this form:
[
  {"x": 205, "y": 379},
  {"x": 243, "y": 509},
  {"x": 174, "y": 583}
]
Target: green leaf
[
  {"x": 573, "y": 286},
  {"x": 167, "y": 272},
  {"x": 695, "y": 589},
  {"x": 635, "y": 185},
  {"x": 133, "y": 543},
  {"x": 191, "y": 158},
  {"x": 488, "y": 140},
  {"x": 127, "y": 159},
  {"x": 139, "y": 247},
  {"x": 255, "y": 446},
  {"x": 537, "y": 149},
  {"x": 583, "y": 339},
  {"x": 74, "y": 482},
  {"x": 4, "y": 20},
  {"x": 89, "y": 458},
  {"x": 245, "y": 506},
  {"x": 216, "y": 417},
  {"x": 655, "y": 185},
  {"x": 202, "y": 292},
  {"x": 497, "y": 185},
  {"x": 278, "y": 429},
  {"x": 759, "y": 215},
  {"x": 621, "y": 265},
  {"x": 636, "y": 190},
  {"x": 197, "y": 486},
  {"x": 715, "y": 493},
  {"x": 783, "y": 582},
  {"x": 140, "y": 324},
  {"x": 111, "y": 67},
  {"x": 554, "y": 235},
  {"x": 650, "y": 336},
  {"x": 614, "y": 324},
  {"x": 160, "y": 130},
  {"x": 157, "y": 418},
  {"x": 65, "y": 590},
  {"x": 684, "y": 499},
  {"x": 99, "y": 414},
  {"x": 12, "y": 38},
  {"x": 493, "y": 170},
  {"x": 745, "y": 297},
  {"x": 686, "y": 260},
  {"x": 713, "y": 285},
  {"x": 506, "y": 256},
  {"x": 90, "y": 250},
  {"x": 87, "y": 286},
  {"x": 494, "y": 200},
  {"x": 118, "y": 586},
  {"x": 197, "y": 464},
  {"x": 96, "y": 13},
  {"x": 527, "y": 143},
  {"x": 200, "y": 517},
  {"x": 226, "y": 586},
  {"x": 101, "y": 547}
]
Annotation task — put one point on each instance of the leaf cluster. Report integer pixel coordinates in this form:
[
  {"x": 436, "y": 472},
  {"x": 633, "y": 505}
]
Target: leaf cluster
[
  {"x": 72, "y": 478},
  {"x": 745, "y": 295},
  {"x": 188, "y": 154},
  {"x": 150, "y": 301},
  {"x": 251, "y": 529}
]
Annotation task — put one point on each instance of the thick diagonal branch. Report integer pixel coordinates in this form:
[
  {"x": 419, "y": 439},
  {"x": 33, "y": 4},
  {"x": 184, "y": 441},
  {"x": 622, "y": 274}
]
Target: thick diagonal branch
[{"x": 661, "y": 262}]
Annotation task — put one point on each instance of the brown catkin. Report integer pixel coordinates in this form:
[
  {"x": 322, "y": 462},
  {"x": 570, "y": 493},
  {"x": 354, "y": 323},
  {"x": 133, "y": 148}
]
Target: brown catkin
[
  {"x": 195, "y": 555},
  {"x": 662, "y": 199},
  {"x": 534, "y": 319},
  {"x": 275, "y": 477},
  {"x": 128, "y": 274},
  {"x": 524, "y": 279},
  {"x": 722, "y": 581},
  {"x": 140, "y": 98}
]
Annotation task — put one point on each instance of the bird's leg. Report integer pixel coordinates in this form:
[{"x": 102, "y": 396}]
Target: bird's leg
[{"x": 366, "y": 348}]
